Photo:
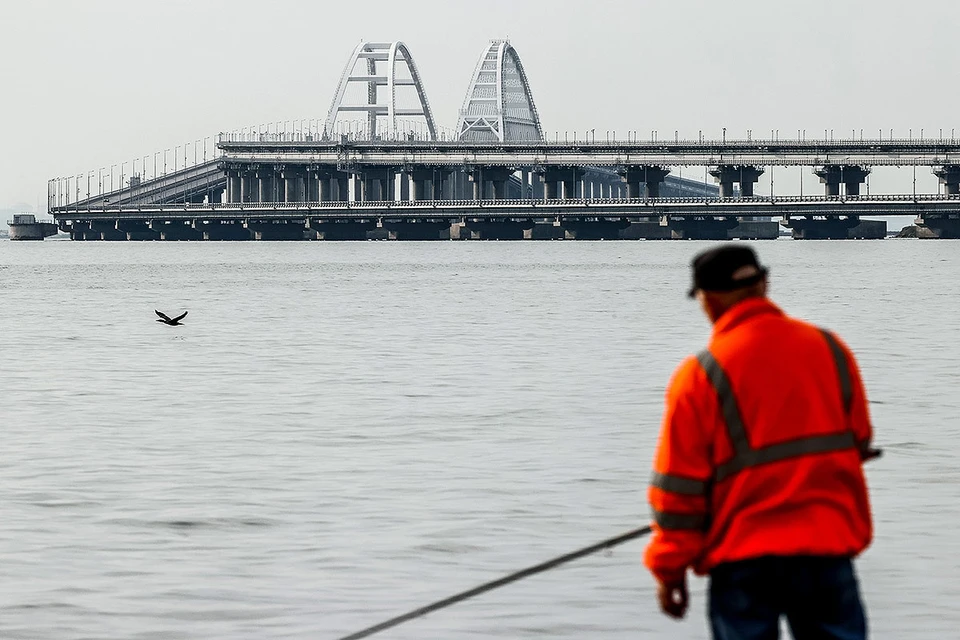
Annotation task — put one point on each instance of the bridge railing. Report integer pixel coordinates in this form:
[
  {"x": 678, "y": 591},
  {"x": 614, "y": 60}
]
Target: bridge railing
[
  {"x": 114, "y": 180},
  {"x": 523, "y": 203}
]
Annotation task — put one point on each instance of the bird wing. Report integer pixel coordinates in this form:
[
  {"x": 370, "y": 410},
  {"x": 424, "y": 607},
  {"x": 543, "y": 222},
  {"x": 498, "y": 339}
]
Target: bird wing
[
  {"x": 180, "y": 317},
  {"x": 165, "y": 317}
]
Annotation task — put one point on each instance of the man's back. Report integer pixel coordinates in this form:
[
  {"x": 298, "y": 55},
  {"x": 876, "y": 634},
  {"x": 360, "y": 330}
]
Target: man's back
[
  {"x": 758, "y": 475},
  {"x": 787, "y": 385}
]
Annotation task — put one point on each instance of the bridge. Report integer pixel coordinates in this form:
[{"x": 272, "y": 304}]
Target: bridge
[{"x": 496, "y": 175}]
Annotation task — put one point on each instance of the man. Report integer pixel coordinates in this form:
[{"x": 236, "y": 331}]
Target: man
[{"x": 758, "y": 476}]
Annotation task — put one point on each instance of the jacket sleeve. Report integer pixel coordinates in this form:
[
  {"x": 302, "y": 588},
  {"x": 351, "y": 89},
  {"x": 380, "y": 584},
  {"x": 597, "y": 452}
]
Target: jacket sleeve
[
  {"x": 682, "y": 470},
  {"x": 859, "y": 408}
]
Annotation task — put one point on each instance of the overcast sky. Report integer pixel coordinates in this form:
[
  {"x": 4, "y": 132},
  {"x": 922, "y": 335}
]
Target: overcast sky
[{"x": 89, "y": 83}]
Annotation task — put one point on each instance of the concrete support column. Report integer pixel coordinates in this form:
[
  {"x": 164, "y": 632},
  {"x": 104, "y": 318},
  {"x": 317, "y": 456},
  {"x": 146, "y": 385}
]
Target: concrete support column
[
  {"x": 651, "y": 176},
  {"x": 265, "y": 185},
  {"x": 390, "y": 185},
  {"x": 548, "y": 179},
  {"x": 475, "y": 178},
  {"x": 233, "y": 187},
  {"x": 323, "y": 187},
  {"x": 566, "y": 176},
  {"x": 289, "y": 185},
  {"x": 850, "y": 176},
  {"x": 359, "y": 187},
  {"x": 244, "y": 186},
  {"x": 949, "y": 176},
  {"x": 417, "y": 190},
  {"x": 311, "y": 185},
  {"x": 441, "y": 178},
  {"x": 744, "y": 175},
  {"x": 371, "y": 189},
  {"x": 498, "y": 177}
]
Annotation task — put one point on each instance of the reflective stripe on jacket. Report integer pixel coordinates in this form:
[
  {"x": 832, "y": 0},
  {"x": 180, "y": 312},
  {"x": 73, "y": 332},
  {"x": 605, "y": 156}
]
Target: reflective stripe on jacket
[{"x": 760, "y": 447}]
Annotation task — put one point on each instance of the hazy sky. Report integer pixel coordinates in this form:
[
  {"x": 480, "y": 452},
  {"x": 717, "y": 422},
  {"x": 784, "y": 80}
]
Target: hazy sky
[{"x": 89, "y": 83}]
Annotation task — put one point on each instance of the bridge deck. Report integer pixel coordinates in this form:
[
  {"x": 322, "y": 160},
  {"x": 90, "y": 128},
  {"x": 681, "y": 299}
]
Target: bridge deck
[
  {"x": 254, "y": 149},
  {"x": 829, "y": 206}
]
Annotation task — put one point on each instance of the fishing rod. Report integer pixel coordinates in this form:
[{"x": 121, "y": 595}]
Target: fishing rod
[{"x": 609, "y": 543}]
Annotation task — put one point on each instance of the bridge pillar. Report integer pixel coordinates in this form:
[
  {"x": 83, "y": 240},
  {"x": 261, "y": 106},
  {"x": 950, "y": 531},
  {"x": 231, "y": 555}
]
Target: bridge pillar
[
  {"x": 833, "y": 175},
  {"x": 548, "y": 184},
  {"x": 475, "y": 179},
  {"x": 744, "y": 175},
  {"x": 233, "y": 186},
  {"x": 324, "y": 182},
  {"x": 940, "y": 225},
  {"x": 566, "y": 176},
  {"x": 359, "y": 188},
  {"x": 418, "y": 184},
  {"x": 570, "y": 178},
  {"x": 265, "y": 185},
  {"x": 497, "y": 177},
  {"x": 441, "y": 179},
  {"x": 834, "y": 228},
  {"x": 650, "y": 175},
  {"x": 378, "y": 184},
  {"x": 246, "y": 185},
  {"x": 949, "y": 176}
]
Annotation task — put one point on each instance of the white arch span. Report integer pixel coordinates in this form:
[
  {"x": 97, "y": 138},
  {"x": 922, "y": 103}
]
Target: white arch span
[
  {"x": 366, "y": 66},
  {"x": 499, "y": 105}
]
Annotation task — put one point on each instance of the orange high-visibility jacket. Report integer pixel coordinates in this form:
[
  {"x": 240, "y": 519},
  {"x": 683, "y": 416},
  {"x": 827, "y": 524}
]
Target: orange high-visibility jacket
[{"x": 760, "y": 448}]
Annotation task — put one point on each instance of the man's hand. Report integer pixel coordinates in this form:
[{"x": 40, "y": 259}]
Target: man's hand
[{"x": 673, "y": 597}]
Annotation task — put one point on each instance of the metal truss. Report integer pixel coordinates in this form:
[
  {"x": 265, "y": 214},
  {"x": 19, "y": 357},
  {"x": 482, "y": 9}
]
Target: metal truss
[
  {"x": 498, "y": 105},
  {"x": 376, "y": 64}
]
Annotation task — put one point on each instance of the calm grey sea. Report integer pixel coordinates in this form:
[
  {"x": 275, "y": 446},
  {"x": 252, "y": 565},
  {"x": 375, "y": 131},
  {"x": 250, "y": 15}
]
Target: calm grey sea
[{"x": 342, "y": 432}]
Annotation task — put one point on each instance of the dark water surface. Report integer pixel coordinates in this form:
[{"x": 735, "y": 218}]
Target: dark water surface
[{"x": 341, "y": 432}]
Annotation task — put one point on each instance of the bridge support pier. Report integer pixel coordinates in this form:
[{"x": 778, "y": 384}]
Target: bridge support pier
[
  {"x": 549, "y": 181},
  {"x": 744, "y": 175},
  {"x": 949, "y": 176},
  {"x": 137, "y": 230},
  {"x": 233, "y": 186},
  {"x": 567, "y": 177},
  {"x": 594, "y": 229},
  {"x": 265, "y": 185},
  {"x": 650, "y": 176},
  {"x": 945, "y": 226},
  {"x": 276, "y": 229},
  {"x": 440, "y": 180},
  {"x": 222, "y": 230},
  {"x": 850, "y": 176},
  {"x": 342, "y": 230},
  {"x": 485, "y": 229},
  {"x": 175, "y": 230},
  {"x": 293, "y": 180},
  {"x": 498, "y": 177},
  {"x": 343, "y": 187},
  {"x": 701, "y": 227},
  {"x": 835, "y": 228},
  {"x": 418, "y": 185}
]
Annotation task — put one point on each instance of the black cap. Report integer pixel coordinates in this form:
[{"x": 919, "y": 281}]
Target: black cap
[{"x": 725, "y": 268}]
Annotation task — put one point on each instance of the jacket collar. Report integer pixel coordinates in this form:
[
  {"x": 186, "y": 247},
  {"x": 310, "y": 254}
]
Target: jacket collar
[{"x": 742, "y": 312}]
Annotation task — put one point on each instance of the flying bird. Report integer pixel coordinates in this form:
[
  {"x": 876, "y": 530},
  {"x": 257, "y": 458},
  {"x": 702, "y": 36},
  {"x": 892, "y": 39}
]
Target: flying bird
[{"x": 165, "y": 319}]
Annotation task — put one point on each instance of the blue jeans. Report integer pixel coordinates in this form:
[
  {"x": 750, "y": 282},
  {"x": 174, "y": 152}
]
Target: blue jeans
[{"x": 818, "y": 595}]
